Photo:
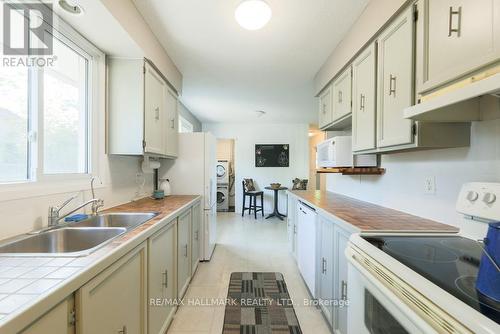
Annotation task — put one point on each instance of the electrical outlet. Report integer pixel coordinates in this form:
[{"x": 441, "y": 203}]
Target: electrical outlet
[{"x": 430, "y": 185}]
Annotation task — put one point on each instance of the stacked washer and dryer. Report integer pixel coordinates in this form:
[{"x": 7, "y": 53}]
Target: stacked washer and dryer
[{"x": 223, "y": 185}]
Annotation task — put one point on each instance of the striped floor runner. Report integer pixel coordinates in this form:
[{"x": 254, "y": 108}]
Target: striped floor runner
[{"x": 259, "y": 303}]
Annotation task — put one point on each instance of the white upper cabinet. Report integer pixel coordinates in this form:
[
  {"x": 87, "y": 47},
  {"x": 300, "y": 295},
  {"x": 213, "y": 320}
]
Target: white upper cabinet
[
  {"x": 363, "y": 100},
  {"x": 342, "y": 95},
  {"x": 172, "y": 126},
  {"x": 142, "y": 110},
  {"x": 456, "y": 38},
  {"x": 325, "y": 107},
  {"x": 155, "y": 117},
  {"x": 395, "y": 81}
]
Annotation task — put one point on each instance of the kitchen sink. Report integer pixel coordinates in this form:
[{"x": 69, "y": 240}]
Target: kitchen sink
[
  {"x": 66, "y": 241},
  {"x": 125, "y": 220}
]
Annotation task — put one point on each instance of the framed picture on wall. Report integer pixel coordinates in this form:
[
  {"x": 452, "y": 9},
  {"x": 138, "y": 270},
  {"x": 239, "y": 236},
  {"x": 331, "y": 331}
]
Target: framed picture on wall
[{"x": 272, "y": 155}]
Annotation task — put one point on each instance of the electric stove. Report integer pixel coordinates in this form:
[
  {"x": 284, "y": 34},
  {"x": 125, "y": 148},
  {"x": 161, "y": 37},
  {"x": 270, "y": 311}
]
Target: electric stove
[{"x": 450, "y": 262}]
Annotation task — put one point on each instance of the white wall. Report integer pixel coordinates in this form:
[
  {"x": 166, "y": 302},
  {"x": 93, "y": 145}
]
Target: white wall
[
  {"x": 402, "y": 187},
  {"x": 246, "y": 136}
]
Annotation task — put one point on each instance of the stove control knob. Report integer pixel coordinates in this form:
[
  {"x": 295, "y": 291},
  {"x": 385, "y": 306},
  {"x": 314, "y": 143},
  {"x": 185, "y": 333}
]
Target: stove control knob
[
  {"x": 489, "y": 198},
  {"x": 472, "y": 196}
]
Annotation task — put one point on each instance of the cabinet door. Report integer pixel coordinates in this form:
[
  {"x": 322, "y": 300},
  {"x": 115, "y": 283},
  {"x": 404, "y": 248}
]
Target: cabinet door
[
  {"x": 292, "y": 225},
  {"x": 456, "y": 37},
  {"x": 57, "y": 321},
  {"x": 306, "y": 246},
  {"x": 161, "y": 278},
  {"x": 342, "y": 95},
  {"x": 325, "y": 107},
  {"x": 172, "y": 128},
  {"x": 116, "y": 300},
  {"x": 325, "y": 267},
  {"x": 340, "y": 287},
  {"x": 183, "y": 256},
  {"x": 395, "y": 81},
  {"x": 154, "y": 111},
  {"x": 363, "y": 104},
  {"x": 195, "y": 236}
]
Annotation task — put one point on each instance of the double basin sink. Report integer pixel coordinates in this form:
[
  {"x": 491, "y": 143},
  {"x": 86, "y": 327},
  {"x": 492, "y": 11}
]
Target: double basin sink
[{"x": 75, "y": 238}]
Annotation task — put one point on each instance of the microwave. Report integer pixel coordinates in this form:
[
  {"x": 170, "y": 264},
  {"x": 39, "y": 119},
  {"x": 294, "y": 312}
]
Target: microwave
[{"x": 337, "y": 152}]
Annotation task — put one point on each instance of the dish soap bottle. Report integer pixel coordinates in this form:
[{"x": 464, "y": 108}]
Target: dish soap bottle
[{"x": 165, "y": 186}]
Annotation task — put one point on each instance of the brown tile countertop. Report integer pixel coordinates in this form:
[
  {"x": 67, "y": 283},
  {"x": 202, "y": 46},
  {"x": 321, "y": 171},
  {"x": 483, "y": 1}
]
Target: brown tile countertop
[
  {"x": 29, "y": 286},
  {"x": 369, "y": 217}
]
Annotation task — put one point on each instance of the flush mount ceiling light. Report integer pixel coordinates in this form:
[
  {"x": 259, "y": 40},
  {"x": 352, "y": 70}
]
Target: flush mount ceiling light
[
  {"x": 260, "y": 113},
  {"x": 71, "y": 8},
  {"x": 253, "y": 14}
]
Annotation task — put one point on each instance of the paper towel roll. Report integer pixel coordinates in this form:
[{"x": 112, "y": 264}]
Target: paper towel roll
[{"x": 149, "y": 165}]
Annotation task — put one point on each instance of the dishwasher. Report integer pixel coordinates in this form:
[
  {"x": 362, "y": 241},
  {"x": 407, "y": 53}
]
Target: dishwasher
[{"x": 306, "y": 245}]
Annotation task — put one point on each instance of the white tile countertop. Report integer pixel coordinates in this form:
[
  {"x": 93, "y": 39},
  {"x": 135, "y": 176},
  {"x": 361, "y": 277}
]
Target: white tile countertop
[{"x": 31, "y": 286}]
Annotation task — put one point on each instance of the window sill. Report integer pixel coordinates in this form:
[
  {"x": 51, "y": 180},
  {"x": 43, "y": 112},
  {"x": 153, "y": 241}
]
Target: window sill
[{"x": 18, "y": 191}]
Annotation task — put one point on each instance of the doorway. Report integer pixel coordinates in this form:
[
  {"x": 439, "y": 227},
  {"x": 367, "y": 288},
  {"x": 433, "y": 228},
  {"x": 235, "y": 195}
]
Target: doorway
[{"x": 225, "y": 175}]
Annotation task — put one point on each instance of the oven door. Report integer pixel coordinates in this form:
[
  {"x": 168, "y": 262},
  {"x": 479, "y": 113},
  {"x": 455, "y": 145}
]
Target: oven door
[{"x": 374, "y": 309}]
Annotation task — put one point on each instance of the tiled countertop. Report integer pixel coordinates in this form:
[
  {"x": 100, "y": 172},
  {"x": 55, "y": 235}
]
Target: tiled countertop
[
  {"x": 30, "y": 286},
  {"x": 367, "y": 217}
]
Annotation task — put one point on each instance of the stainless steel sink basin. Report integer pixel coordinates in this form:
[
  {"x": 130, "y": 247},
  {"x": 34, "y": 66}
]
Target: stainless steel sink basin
[
  {"x": 126, "y": 220},
  {"x": 62, "y": 241}
]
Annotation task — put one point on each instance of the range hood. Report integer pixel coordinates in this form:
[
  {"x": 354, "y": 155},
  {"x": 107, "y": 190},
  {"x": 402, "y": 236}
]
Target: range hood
[{"x": 460, "y": 105}]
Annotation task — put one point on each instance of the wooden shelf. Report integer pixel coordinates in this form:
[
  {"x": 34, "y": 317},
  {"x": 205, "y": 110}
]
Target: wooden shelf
[{"x": 353, "y": 170}]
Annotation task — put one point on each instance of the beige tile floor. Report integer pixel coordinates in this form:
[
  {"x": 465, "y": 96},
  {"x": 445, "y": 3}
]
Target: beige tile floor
[{"x": 243, "y": 244}]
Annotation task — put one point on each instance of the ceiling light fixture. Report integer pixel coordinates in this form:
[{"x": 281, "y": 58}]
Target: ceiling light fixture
[
  {"x": 74, "y": 9},
  {"x": 253, "y": 14},
  {"x": 260, "y": 113}
]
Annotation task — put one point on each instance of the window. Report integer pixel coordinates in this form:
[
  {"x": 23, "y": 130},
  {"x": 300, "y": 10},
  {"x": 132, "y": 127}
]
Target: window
[
  {"x": 185, "y": 126},
  {"x": 46, "y": 113}
]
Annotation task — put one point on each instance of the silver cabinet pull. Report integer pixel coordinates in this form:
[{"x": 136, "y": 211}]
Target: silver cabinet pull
[
  {"x": 340, "y": 96},
  {"x": 157, "y": 113},
  {"x": 452, "y": 13},
  {"x": 324, "y": 108},
  {"x": 196, "y": 235},
  {"x": 323, "y": 265},
  {"x": 172, "y": 125},
  {"x": 392, "y": 85},
  {"x": 123, "y": 330},
  {"x": 165, "y": 278},
  {"x": 294, "y": 229},
  {"x": 185, "y": 250},
  {"x": 343, "y": 290},
  {"x": 362, "y": 102}
]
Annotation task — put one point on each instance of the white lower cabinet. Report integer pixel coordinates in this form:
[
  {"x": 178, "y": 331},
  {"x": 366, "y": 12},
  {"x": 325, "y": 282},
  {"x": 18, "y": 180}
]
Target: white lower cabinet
[
  {"x": 115, "y": 301},
  {"x": 292, "y": 225},
  {"x": 306, "y": 245},
  {"x": 340, "y": 279},
  {"x": 326, "y": 266},
  {"x": 183, "y": 253},
  {"x": 195, "y": 237},
  {"x": 59, "y": 320},
  {"x": 161, "y": 278}
]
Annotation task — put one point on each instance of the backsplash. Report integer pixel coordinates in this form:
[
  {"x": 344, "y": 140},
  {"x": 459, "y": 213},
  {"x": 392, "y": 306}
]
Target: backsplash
[{"x": 403, "y": 186}]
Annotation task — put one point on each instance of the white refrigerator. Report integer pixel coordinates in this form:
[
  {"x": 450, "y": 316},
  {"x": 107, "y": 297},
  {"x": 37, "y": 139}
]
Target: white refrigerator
[{"x": 194, "y": 173}]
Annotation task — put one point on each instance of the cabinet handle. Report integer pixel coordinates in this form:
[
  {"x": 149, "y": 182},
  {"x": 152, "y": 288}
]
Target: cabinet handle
[
  {"x": 323, "y": 265},
  {"x": 157, "y": 113},
  {"x": 172, "y": 125},
  {"x": 165, "y": 278},
  {"x": 123, "y": 330},
  {"x": 362, "y": 102},
  {"x": 196, "y": 235},
  {"x": 344, "y": 290},
  {"x": 452, "y": 13},
  {"x": 340, "y": 96},
  {"x": 324, "y": 108},
  {"x": 186, "y": 250},
  {"x": 392, "y": 85}
]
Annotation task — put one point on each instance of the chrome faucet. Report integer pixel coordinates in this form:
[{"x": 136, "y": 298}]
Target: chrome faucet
[{"x": 54, "y": 211}]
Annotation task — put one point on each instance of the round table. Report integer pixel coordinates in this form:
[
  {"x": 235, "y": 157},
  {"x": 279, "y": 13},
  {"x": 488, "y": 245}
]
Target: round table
[{"x": 276, "y": 213}]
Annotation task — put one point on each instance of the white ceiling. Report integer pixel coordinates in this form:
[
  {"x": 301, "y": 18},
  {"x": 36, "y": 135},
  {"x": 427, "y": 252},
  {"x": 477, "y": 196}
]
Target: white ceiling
[{"x": 229, "y": 72}]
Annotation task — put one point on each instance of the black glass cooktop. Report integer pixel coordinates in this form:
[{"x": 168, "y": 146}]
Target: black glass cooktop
[{"x": 452, "y": 263}]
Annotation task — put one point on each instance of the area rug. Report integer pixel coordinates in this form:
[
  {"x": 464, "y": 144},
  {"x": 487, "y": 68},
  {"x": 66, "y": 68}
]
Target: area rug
[{"x": 259, "y": 303}]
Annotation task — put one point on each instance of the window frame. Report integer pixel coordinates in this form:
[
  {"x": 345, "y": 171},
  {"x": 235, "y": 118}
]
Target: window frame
[{"x": 38, "y": 183}]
